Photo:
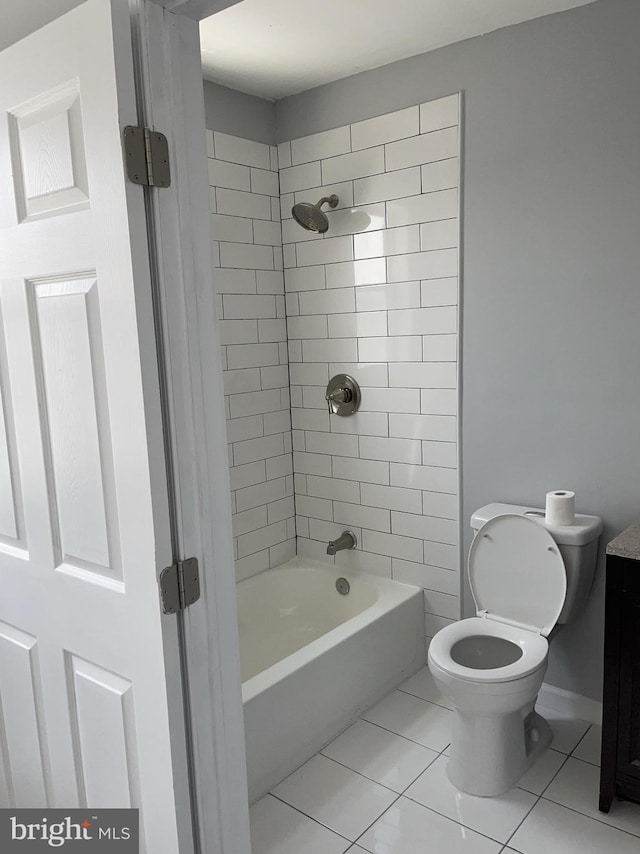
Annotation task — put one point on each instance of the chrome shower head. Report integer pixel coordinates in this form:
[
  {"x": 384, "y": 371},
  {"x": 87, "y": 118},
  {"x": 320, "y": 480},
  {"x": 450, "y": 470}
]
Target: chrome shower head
[{"x": 311, "y": 216}]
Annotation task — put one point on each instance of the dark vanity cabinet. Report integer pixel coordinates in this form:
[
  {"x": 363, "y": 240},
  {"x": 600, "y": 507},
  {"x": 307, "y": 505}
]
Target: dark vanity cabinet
[{"x": 620, "y": 761}]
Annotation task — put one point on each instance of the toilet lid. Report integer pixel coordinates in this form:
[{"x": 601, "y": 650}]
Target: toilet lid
[{"x": 516, "y": 573}]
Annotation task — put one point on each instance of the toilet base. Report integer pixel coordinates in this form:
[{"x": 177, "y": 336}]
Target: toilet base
[{"x": 490, "y": 754}]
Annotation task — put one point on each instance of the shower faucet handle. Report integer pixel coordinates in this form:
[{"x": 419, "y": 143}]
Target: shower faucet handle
[{"x": 341, "y": 395}]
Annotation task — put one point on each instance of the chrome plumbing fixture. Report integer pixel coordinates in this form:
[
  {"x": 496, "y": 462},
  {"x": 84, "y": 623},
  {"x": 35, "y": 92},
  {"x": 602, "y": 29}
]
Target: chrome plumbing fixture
[
  {"x": 343, "y": 395},
  {"x": 346, "y": 540},
  {"x": 311, "y": 216},
  {"x": 343, "y": 586}
]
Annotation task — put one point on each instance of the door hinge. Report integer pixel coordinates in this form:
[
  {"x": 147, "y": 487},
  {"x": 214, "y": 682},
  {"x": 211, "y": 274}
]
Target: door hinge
[
  {"x": 146, "y": 153},
  {"x": 179, "y": 585}
]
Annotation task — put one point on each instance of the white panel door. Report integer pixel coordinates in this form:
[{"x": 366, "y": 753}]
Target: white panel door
[{"x": 85, "y": 700}]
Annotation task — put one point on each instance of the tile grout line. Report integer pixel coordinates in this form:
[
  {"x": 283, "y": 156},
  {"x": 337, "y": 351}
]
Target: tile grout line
[
  {"x": 541, "y": 797},
  {"x": 360, "y": 774},
  {"x": 467, "y": 827},
  {"x": 404, "y": 795},
  {"x": 505, "y": 845},
  {"x": 377, "y": 782},
  {"x": 455, "y": 821},
  {"x": 585, "y": 734},
  {"x": 395, "y": 801},
  {"x": 538, "y": 798},
  {"x": 399, "y": 795},
  {"x": 592, "y": 818},
  {"x": 417, "y": 696},
  {"x": 306, "y": 815}
]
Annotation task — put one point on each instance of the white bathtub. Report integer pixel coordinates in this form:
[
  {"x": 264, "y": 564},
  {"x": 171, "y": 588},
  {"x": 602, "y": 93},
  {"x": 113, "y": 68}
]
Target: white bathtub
[{"x": 312, "y": 660}]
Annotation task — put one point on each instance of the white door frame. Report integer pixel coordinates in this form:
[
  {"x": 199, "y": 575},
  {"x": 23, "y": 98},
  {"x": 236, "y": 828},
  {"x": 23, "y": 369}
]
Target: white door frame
[
  {"x": 168, "y": 46},
  {"x": 163, "y": 721},
  {"x": 196, "y": 9}
]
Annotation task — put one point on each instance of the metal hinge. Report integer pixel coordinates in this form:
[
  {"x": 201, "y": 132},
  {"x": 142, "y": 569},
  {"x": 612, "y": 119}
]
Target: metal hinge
[
  {"x": 179, "y": 585},
  {"x": 146, "y": 154}
]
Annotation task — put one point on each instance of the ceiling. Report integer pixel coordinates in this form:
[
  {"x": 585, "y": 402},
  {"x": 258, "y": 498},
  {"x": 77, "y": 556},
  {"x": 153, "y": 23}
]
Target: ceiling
[
  {"x": 275, "y": 48},
  {"x": 18, "y": 18}
]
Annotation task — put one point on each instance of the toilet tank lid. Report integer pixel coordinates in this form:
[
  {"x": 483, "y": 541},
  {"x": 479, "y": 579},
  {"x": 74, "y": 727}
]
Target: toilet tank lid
[{"x": 585, "y": 530}]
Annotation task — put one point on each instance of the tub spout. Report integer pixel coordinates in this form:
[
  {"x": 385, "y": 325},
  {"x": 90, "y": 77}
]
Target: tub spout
[{"x": 347, "y": 540}]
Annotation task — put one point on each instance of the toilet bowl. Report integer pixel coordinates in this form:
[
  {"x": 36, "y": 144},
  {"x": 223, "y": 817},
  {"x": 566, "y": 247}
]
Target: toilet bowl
[
  {"x": 492, "y": 672},
  {"x": 492, "y": 665}
]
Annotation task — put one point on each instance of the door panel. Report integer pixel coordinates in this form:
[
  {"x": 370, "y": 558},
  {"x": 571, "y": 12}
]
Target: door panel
[
  {"x": 105, "y": 735},
  {"x": 11, "y": 520},
  {"x": 8, "y": 521},
  {"x": 69, "y": 363},
  {"x": 26, "y": 755},
  {"x": 84, "y": 650},
  {"x": 47, "y": 153}
]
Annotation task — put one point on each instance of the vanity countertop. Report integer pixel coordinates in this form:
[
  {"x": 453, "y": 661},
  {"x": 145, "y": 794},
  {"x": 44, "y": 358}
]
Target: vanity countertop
[{"x": 626, "y": 544}]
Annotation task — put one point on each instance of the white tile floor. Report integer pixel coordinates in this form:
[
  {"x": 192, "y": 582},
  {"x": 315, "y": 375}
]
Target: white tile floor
[{"x": 381, "y": 788}]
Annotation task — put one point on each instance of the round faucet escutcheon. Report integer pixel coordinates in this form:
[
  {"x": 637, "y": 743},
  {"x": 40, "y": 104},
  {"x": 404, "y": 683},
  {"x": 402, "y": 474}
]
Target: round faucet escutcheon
[{"x": 343, "y": 395}]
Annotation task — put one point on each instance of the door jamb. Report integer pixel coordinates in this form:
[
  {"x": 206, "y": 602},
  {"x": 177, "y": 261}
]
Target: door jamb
[
  {"x": 171, "y": 91},
  {"x": 196, "y": 9}
]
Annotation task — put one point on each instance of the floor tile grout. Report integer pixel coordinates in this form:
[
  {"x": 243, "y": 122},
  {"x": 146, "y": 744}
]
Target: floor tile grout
[
  {"x": 398, "y": 798},
  {"x": 364, "y": 776},
  {"x": 564, "y": 762},
  {"x": 377, "y": 782},
  {"x": 403, "y": 794},
  {"x": 455, "y": 821},
  {"x": 582, "y": 738},
  {"x": 424, "y": 699},
  {"x": 569, "y": 733},
  {"x": 355, "y": 841},
  {"x": 386, "y": 729},
  {"x": 360, "y": 774},
  {"x": 306, "y": 815},
  {"x": 564, "y": 806},
  {"x": 578, "y": 745},
  {"x": 413, "y": 741},
  {"x": 538, "y": 798},
  {"x": 593, "y": 818}
]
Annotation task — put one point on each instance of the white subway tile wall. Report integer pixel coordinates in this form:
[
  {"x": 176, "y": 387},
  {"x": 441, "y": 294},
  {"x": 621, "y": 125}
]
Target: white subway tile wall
[
  {"x": 249, "y": 282},
  {"x": 376, "y": 297}
]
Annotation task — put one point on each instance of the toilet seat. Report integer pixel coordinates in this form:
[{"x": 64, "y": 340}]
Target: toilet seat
[
  {"x": 533, "y": 645},
  {"x": 519, "y": 583},
  {"x": 517, "y": 574}
]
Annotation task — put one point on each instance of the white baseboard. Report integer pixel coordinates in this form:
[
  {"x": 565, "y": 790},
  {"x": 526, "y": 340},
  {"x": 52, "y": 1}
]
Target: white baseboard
[{"x": 570, "y": 704}]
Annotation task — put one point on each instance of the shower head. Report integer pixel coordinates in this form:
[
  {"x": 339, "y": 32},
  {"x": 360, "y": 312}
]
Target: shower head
[{"x": 311, "y": 217}]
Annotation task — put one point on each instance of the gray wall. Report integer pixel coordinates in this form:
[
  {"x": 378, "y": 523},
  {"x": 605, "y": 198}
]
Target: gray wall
[
  {"x": 239, "y": 114},
  {"x": 551, "y": 299}
]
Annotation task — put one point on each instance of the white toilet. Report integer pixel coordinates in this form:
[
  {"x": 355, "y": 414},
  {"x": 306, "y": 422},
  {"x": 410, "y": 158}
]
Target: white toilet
[{"x": 525, "y": 577}]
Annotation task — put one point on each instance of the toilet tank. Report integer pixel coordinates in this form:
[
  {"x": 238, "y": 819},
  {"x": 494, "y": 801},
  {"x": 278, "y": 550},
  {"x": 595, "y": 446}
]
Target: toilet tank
[{"x": 578, "y": 545}]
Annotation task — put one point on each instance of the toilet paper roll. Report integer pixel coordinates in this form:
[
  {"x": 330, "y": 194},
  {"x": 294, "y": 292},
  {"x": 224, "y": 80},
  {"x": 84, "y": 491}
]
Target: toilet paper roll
[{"x": 560, "y": 507}]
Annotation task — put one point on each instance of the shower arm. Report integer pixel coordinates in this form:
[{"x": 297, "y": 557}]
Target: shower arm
[{"x": 332, "y": 201}]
